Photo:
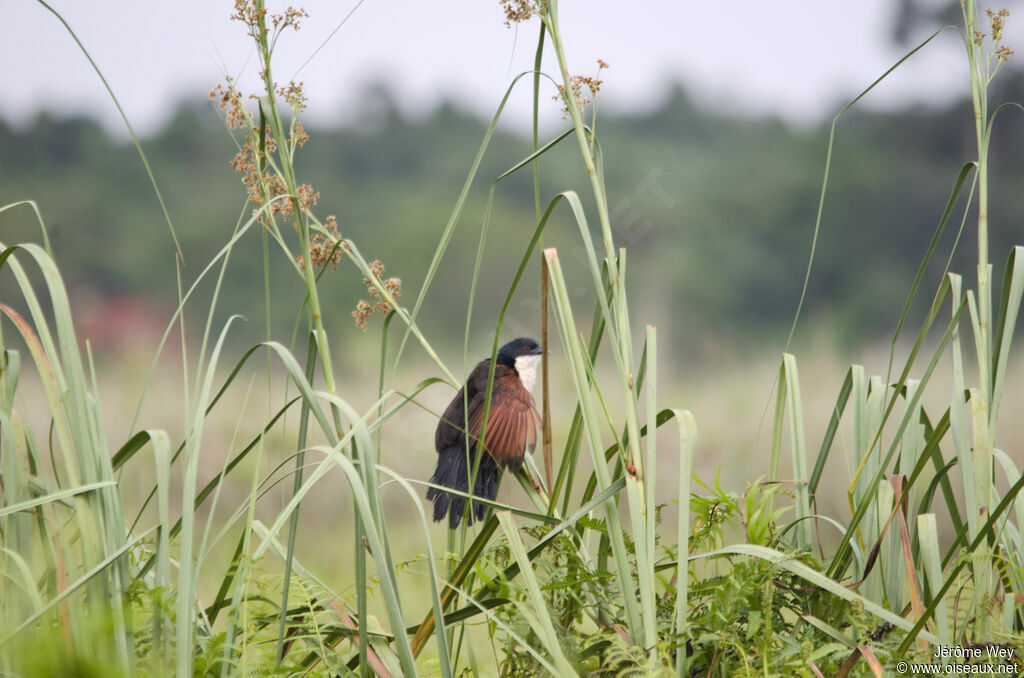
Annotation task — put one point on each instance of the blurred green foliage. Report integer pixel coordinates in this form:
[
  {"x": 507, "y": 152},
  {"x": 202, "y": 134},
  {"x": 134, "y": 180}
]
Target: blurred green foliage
[{"x": 717, "y": 210}]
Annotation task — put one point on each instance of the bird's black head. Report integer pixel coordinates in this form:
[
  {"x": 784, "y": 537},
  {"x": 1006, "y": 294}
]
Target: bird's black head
[
  {"x": 522, "y": 355},
  {"x": 517, "y": 348}
]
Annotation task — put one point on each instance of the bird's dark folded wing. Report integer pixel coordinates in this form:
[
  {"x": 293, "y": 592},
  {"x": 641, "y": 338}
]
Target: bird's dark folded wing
[
  {"x": 511, "y": 423},
  {"x": 450, "y": 427}
]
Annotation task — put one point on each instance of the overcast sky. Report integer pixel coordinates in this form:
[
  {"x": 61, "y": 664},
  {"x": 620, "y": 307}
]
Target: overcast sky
[{"x": 800, "y": 59}]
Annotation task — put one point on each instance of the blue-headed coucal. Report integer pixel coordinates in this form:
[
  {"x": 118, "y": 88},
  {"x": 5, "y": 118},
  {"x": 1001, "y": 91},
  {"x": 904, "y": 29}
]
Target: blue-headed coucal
[{"x": 511, "y": 431}]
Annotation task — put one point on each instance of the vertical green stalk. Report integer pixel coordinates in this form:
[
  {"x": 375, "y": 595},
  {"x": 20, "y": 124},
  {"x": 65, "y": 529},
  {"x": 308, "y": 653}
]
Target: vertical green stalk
[
  {"x": 620, "y": 349},
  {"x": 617, "y": 321},
  {"x": 979, "y": 99},
  {"x": 271, "y": 114},
  {"x": 546, "y": 443},
  {"x": 268, "y": 104},
  {"x": 650, "y": 463},
  {"x": 637, "y": 477},
  {"x": 981, "y": 74},
  {"x": 550, "y": 19},
  {"x": 687, "y": 450}
]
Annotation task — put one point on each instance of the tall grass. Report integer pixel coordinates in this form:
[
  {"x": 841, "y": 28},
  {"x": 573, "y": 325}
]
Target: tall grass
[{"x": 581, "y": 582}]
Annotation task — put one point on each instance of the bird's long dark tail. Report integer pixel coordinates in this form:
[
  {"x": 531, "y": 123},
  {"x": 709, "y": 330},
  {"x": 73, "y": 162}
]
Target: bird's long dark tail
[{"x": 453, "y": 471}]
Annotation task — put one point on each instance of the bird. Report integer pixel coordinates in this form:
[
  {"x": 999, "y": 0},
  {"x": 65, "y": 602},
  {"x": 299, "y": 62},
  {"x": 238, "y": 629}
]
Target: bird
[{"x": 511, "y": 431}]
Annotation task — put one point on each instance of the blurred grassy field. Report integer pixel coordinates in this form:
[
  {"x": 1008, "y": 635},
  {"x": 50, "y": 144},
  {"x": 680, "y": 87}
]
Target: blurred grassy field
[{"x": 731, "y": 395}]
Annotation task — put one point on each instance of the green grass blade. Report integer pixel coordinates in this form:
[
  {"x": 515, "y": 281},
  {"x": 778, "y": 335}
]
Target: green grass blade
[
  {"x": 567, "y": 326},
  {"x": 985, "y": 532},
  {"x": 954, "y": 196},
  {"x": 293, "y": 527},
  {"x": 55, "y": 496},
  {"x": 1009, "y": 305},
  {"x": 931, "y": 563},
  {"x": 817, "y": 579},
  {"x": 75, "y": 586},
  {"x": 825, "y": 177},
  {"x": 541, "y": 619},
  {"x": 799, "y": 450},
  {"x": 128, "y": 125},
  {"x": 830, "y": 433},
  {"x": 454, "y": 217}
]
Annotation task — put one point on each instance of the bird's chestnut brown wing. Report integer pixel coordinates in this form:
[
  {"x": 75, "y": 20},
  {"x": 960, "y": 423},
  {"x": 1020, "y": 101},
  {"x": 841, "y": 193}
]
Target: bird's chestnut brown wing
[{"x": 512, "y": 421}]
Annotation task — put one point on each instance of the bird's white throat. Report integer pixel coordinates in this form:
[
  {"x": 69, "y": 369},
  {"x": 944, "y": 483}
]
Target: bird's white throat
[{"x": 526, "y": 366}]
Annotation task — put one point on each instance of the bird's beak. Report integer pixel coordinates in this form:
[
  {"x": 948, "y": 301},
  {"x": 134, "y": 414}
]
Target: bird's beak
[{"x": 537, "y": 351}]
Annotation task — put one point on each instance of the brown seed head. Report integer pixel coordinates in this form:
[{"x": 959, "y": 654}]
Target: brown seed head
[
  {"x": 365, "y": 309},
  {"x": 517, "y": 11}
]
